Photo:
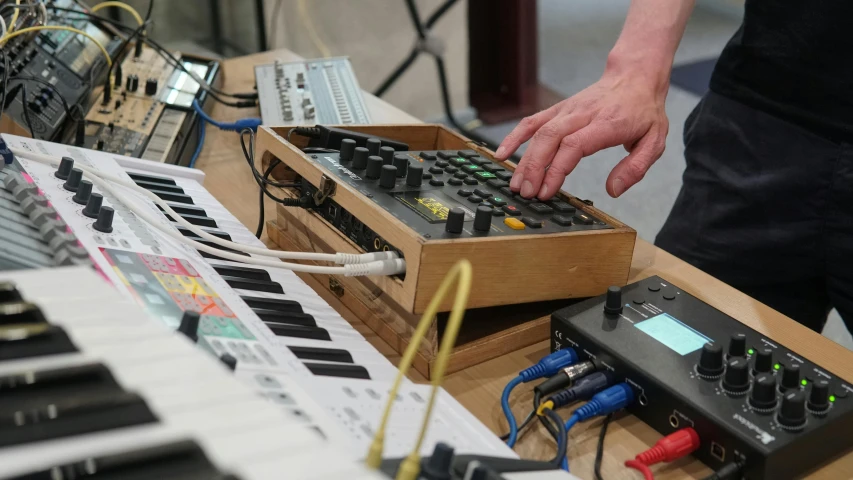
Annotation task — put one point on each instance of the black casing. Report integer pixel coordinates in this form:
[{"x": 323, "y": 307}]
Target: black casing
[{"x": 668, "y": 389}]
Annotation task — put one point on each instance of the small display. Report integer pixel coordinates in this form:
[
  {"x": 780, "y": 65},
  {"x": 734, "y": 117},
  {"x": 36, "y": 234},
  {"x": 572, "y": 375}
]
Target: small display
[
  {"x": 432, "y": 206},
  {"x": 671, "y": 332}
]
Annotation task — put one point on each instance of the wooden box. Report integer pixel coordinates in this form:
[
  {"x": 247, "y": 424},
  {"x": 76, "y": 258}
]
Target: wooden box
[{"x": 507, "y": 269}]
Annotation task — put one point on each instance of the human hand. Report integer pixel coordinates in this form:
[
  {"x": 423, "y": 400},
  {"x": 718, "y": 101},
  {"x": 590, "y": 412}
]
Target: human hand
[{"x": 616, "y": 110}]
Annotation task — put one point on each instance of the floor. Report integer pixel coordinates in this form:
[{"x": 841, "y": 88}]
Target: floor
[{"x": 574, "y": 40}]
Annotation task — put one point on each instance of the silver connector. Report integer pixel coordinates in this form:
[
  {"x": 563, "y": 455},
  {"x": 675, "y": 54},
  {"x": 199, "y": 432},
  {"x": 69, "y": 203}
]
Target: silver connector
[{"x": 578, "y": 370}]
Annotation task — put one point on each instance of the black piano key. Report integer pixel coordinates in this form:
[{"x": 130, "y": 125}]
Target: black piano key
[
  {"x": 322, "y": 354},
  {"x": 299, "y": 331},
  {"x": 183, "y": 460},
  {"x": 213, "y": 256},
  {"x": 242, "y": 272},
  {"x": 33, "y": 340},
  {"x": 216, "y": 233},
  {"x": 15, "y": 313},
  {"x": 71, "y": 415},
  {"x": 197, "y": 220},
  {"x": 139, "y": 177},
  {"x": 172, "y": 197},
  {"x": 9, "y": 293},
  {"x": 251, "y": 284},
  {"x": 21, "y": 389},
  {"x": 292, "y": 318},
  {"x": 215, "y": 245},
  {"x": 338, "y": 370},
  {"x": 161, "y": 187},
  {"x": 185, "y": 209},
  {"x": 276, "y": 304}
]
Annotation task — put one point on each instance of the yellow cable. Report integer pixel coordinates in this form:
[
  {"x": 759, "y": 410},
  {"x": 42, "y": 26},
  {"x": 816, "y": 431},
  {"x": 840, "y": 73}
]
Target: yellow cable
[
  {"x": 14, "y": 18},
  {"x": 121, "y": 5},
  {"x": 22, "y": 31},
  {"x": 312, "y": 32},
  {"x": 461, "y": 274}
]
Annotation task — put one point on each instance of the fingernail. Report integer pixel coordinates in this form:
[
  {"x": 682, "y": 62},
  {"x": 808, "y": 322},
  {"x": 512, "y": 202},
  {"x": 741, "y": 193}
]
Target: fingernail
[
  {"x": 527, "y": 190},
  {"x": 500, "y": 152},
  {"x": 618, "y": 187},
  {"x": 515, "y": 183},
  {"x": 544, "y": 192}
]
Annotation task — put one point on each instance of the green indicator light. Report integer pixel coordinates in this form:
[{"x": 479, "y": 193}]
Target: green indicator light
[
  {"x": 777, "y": 367},
  {"x": 832, "y": 398},
  {"x": 804, "y": 382},
  {"x": 750, "y": 351},
  {"x": 498, "y": 199}
]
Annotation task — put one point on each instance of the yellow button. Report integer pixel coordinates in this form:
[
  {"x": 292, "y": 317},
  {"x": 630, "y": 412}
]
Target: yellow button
[{"x": 514, "y": 223}]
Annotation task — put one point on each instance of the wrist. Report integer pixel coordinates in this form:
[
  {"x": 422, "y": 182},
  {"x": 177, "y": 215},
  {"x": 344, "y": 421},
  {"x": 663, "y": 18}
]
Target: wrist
[{"x": 646, "y": 69}]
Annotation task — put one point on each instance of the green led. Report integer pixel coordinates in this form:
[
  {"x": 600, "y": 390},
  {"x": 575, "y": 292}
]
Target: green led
[
  {"x": 832, "y": 398},
  {"x": 804, "y": 382},
  {"x": 750, "y": 351},
  {"x": 777, "y": 367}
]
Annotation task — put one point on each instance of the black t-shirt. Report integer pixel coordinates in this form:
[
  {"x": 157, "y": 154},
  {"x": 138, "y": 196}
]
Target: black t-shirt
[{"x": 794, "y": 59}]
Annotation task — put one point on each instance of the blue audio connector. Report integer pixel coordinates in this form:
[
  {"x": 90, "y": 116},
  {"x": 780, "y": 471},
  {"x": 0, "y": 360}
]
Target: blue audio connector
[
  {"x": 546, "y": 367},
  {"x": 605, "y": 402},
  {"x": 252, "y": 123}
]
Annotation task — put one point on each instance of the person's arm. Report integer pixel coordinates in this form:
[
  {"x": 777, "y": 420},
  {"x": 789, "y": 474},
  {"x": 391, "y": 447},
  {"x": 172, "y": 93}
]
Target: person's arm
[{"x": 625, "y": 107}]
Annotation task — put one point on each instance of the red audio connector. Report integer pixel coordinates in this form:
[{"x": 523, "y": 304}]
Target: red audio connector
[{"x": 667, "y": 449}]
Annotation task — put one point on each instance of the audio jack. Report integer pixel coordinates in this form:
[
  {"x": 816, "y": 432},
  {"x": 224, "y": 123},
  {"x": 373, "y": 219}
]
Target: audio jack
[{"x": 668, "y": 449}]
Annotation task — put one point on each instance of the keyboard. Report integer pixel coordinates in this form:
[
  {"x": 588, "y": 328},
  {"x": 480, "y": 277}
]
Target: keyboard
[
  {"x": 91, "y": 384},
  {"x": 278, "y": 329}
]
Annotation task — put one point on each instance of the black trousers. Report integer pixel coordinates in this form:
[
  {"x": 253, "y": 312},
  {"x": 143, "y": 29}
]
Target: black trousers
[{"x": 766, "y": 207}]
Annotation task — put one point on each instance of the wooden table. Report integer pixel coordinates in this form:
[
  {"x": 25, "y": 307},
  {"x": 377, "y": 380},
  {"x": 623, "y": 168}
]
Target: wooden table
[{"x": 479, "y": 388}]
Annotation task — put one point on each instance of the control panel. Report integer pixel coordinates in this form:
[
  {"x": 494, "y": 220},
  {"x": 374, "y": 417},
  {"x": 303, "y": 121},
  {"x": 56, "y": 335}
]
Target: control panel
[
  {"x": 443, "y": 194},
  {"x": 321, "y": 90},
  {"x": 750, "y": 399}
]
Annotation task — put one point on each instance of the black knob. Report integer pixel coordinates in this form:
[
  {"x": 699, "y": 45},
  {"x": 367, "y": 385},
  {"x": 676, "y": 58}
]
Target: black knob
[
  {"x": 65, "y": 166},
  {"x": 613, "y": 301},
  {"x": 118, "y": 103},
  {"x": 359, "y": 158},
  {"x": 93, "y": 206},
  {"x": 151, "y": 86},
  {"x": 387, "y": 154},
  {"x": 104, "y": 223},
  {"x": 137, "y": 49},
  {"x": 189, "y": 325},
  {"x": 83, "y": 193},
  {"x": 229, "y": 361},
  {"x": 455, "y": 220},
  {"x": 388, "y": 176},
  {"x": 374, "y": 166},
  {"x": 483, "y": 219},
  {"x": 763, "y": 394},
  {"x": 402, "y": 164},
  {"x": 100, "y": 144},
  {"x": 736, "y": 379},
  {"x": 108, "y": 95},
  {"x": 437, "y": 465},
  {"x": 710, "y": 361},
  {"x": 118, "y": 77},
  {"x": 479, "y": 473},
  {"x": 414, "y": 175},
  {"x": 132, "y": 83},
  {"x": 35, "y": 107},
  {"x": 790, "y": 377},
  {"x": 763, "y": 360},
  {"x": 9, "y": 293},
  {"x": 347, "y": 149},
  {"x": 73, "y": 180},
  {"x": 819, "y": 396},
  {"x": 111, "y": 126},
  {"x": 793, "y": 411},
  {"x": 737, "y": 345},
  {"x": 373, "y": 145}
]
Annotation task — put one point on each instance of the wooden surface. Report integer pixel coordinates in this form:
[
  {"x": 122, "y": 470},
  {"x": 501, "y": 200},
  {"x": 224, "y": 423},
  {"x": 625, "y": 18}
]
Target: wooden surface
[{"x": 478, "y": 388}]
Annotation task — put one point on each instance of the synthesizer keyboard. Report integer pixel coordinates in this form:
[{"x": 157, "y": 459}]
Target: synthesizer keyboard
[
  {"x": 123, "y": 397},
  {"x": 279, "y": 330}
]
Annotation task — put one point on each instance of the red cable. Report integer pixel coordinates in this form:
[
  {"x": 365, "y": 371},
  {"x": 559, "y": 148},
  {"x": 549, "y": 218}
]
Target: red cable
[{"x": 640, "y": 467}]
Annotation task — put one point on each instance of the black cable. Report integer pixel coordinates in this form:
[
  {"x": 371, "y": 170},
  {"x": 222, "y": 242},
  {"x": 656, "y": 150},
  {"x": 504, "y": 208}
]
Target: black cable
[
  {"x": 5, "y": 82},
  {"x": 261, "y": 208},
  {"x": 108, "y": 85},
  {"x": 249, "y": 155},
  {"x": 599, "y": 450},
  {"x": 439, "y": 12},
  {"x": 526, "y": 422},
  {"x": 397, "y": 73},
  {"x": 554, "y": 432},
  {"x": 150, "y": 9},
  {"x": 729, "y": 471},
  {"x": 26, "y": 108},
  {"x": 562, "y": 436}
]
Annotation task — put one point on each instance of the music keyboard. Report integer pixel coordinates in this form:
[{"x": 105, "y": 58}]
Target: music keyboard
[
  {"x": 134, "y": 400},
  {"x": 279, "y": 330}
]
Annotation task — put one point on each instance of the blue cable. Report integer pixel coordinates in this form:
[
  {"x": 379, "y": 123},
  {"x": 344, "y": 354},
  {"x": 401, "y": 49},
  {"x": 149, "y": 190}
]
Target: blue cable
[
  {"x": 510, "y": 418},
  {"x": 252, "y": 123},
  {"x": 201, "y": 130},
  {"x": 604, "y": 402},
  {"x": 569, "y": 424}
]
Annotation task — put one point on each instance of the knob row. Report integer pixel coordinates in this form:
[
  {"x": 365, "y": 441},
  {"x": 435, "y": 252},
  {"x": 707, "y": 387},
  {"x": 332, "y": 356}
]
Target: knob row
[{"x": 83, "y": 195}]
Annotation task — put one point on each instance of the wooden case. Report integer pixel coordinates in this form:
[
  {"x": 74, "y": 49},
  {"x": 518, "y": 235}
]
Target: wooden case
[{"x": 507, "y": 270}]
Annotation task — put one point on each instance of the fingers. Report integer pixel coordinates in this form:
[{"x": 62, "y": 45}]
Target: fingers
[
  {"x": 596, "y": 136},
  {"x": 523, "y": 131},
  {"x": 632, "y": 168},
  {"x": 540, "y": 153}
]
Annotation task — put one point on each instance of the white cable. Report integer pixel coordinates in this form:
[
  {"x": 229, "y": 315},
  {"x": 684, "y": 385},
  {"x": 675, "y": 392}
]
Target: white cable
[
  {"x": 2, "y": 27},
  {"x": 386, "y": 266}
]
